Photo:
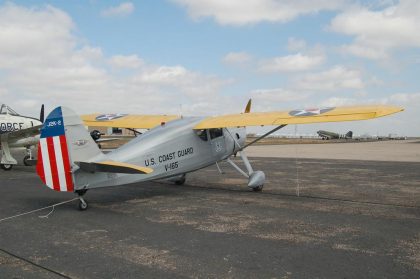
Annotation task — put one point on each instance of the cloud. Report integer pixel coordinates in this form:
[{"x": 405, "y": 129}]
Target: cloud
[
  {"x": 378, "y": 33},
  {"x": 278, "y": 95},
  {"x": 42, "y": 61},
  {"x": 126, "y": 61},
  {"x": 192, "y": 84},
  {"x": 122, "y": 9},
  {"x": 235, "y": 58},
  {"x": 403, "y": 99},
  {"x": 339, "y": 102},
  {"x": 336, "y": 78},
  {"x": 291, "y": 63},
  {"x": 294, "y": 44},
  {"x": 239, "y": 12}
]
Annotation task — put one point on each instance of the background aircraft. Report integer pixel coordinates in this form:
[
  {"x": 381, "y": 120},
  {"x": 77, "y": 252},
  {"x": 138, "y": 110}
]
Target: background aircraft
[
  {"x": 17, "y": 131},
  {"x": 69, "y": 160},
  {"x": 331, "y": 135}
]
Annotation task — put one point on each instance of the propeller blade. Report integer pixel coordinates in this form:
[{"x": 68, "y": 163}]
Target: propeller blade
[{"x": 41, "y": 114}]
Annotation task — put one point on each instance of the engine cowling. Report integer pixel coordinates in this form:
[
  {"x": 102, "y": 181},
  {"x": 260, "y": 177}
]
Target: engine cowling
[{"x": 235, "y": 138}]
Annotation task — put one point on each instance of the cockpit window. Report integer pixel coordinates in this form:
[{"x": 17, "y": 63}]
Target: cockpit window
[
  {"x": 202, "y": 134},
  {"x": 7, "y": 110},
  {"x": 215, "y": 133}
]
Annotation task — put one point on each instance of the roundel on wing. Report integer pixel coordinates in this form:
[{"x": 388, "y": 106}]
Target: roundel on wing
[
  {"x": 310, "y": 112},
  {"x": 110, "y": 116}
]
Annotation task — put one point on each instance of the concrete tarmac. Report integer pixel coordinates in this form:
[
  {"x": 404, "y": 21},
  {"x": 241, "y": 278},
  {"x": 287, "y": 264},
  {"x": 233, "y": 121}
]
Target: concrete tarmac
[
  {"x": 352, "y": 219},
  {"x": 390, "y": 150}
]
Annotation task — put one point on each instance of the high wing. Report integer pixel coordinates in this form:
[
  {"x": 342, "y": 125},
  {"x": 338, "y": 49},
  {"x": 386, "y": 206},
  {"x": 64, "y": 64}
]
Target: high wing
[
  {"x": 24, "y": 133},
  {"x": 126, "y": 120},
  {"x": 300, "y": 116}
]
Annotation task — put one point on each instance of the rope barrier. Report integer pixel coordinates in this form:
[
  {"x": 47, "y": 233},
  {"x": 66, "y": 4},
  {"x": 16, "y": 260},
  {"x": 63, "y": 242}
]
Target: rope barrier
[{"x": 36, "y": 210}]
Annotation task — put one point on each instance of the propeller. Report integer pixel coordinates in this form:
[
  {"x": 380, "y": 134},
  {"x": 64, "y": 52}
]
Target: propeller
[{"x": 41, "y": 114}]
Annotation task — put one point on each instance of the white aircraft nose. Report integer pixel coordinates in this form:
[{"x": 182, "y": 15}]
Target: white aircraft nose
[{"x": 37, "y": 122}]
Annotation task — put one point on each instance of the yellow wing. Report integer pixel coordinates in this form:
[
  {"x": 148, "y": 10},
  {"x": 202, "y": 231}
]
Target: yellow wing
[
  {"x": 126, "y": 120},
  {"x": 300, "y": 116}
]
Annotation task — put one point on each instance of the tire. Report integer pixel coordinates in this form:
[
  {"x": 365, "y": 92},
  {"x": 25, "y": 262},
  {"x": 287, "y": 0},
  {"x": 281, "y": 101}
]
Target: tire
[
  {"x": 258, "y": 188},
  {"x": 180, "y": 181},
  {"x": 6, "y": 167},
  {"x": 83, "y": 206},
  {"x": 25, "y": 160}
]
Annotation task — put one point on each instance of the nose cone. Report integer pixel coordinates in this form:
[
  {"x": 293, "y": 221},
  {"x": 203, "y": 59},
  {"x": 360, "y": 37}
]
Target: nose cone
[{"x": 37, "y": 122}]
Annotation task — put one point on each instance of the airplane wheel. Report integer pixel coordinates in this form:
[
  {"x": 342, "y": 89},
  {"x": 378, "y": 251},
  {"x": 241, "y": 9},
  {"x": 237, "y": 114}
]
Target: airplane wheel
[
  {"x": 258, "y": 188},
  {"x": 180, "y": 181},
  {"x": 25, "y": 160},
  {"x": 6, "y": 167},
  {"x": 82, "y": 205}
]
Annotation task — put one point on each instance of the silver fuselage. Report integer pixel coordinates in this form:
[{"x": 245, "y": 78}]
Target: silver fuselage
[{"x": 171, "y": 149}]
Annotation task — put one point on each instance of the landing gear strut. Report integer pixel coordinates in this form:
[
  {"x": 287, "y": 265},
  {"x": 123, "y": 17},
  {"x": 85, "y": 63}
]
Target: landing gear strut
[
  {"x": 7, "y": 161},
  {"x": 83, "y": 205},
  {"x": 28, "y": 156}
]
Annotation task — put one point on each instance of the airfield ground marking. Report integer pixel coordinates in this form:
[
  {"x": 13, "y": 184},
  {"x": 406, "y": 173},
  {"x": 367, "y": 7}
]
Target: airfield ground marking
[{"x": 34, "y": 264}]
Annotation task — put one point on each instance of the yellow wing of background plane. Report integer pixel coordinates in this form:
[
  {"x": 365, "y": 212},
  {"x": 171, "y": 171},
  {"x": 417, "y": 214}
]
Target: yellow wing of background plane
[
  {"x": 300, "y": 116},
  {"x": 132, "y": 121}
]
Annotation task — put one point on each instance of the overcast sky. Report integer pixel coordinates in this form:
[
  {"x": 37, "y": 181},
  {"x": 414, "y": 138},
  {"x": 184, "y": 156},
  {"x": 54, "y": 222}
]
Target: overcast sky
[{"x": 208, "y": 57}]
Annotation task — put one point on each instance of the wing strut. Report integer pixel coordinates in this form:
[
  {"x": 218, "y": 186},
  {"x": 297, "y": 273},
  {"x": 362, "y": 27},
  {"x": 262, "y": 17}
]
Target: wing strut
[{"x": 263, "y": 136}]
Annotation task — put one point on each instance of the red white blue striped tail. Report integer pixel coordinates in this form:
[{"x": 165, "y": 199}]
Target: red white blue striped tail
[{"x": 53, "y": 165}]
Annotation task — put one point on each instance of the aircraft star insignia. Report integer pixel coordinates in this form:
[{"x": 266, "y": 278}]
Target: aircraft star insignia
[
  {"x": 310, "y": 112},
  {"x": 110, "y": 116}
]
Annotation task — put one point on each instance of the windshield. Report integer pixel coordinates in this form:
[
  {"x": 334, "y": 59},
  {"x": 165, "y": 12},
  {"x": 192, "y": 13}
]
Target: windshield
[{"x": 7, "y": 110}]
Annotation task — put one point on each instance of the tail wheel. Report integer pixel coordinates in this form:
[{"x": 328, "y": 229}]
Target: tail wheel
[
  {"x": 83, "y": 205},
  {"x": 258, "y": 188},
  {"x": 6, "y": 167}
]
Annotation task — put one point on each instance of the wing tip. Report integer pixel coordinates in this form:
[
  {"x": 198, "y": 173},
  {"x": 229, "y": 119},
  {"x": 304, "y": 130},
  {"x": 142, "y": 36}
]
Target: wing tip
[{"x": 388, "y": 110}]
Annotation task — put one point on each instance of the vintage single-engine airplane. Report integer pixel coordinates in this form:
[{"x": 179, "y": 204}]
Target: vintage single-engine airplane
[
  {"x": 17, "y": 131},
  {"x": 69, "y": 160}
]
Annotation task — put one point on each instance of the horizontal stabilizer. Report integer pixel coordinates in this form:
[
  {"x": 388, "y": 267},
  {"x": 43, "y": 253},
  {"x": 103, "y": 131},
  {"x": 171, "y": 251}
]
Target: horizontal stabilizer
[{"x": 113, "y": 167}]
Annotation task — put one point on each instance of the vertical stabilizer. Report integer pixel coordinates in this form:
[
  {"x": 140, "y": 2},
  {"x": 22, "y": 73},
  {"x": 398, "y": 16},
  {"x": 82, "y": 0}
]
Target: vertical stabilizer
[
  {"x": 63, "y": 141},
  {"x": 248, "y": 107}
]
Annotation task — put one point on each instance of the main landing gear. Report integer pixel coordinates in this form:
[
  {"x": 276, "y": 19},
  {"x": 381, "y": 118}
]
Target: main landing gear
[
  {"x": 181, "y": 179},
  {"x": 7, "y": 161},
  {"x": 6, "y": 167},
  {"x": 28, "y": 157},
  {"x": 256, "y": 179},
  {"x": 83, "y": 205},
  {"x": 178, "y": 179}
]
